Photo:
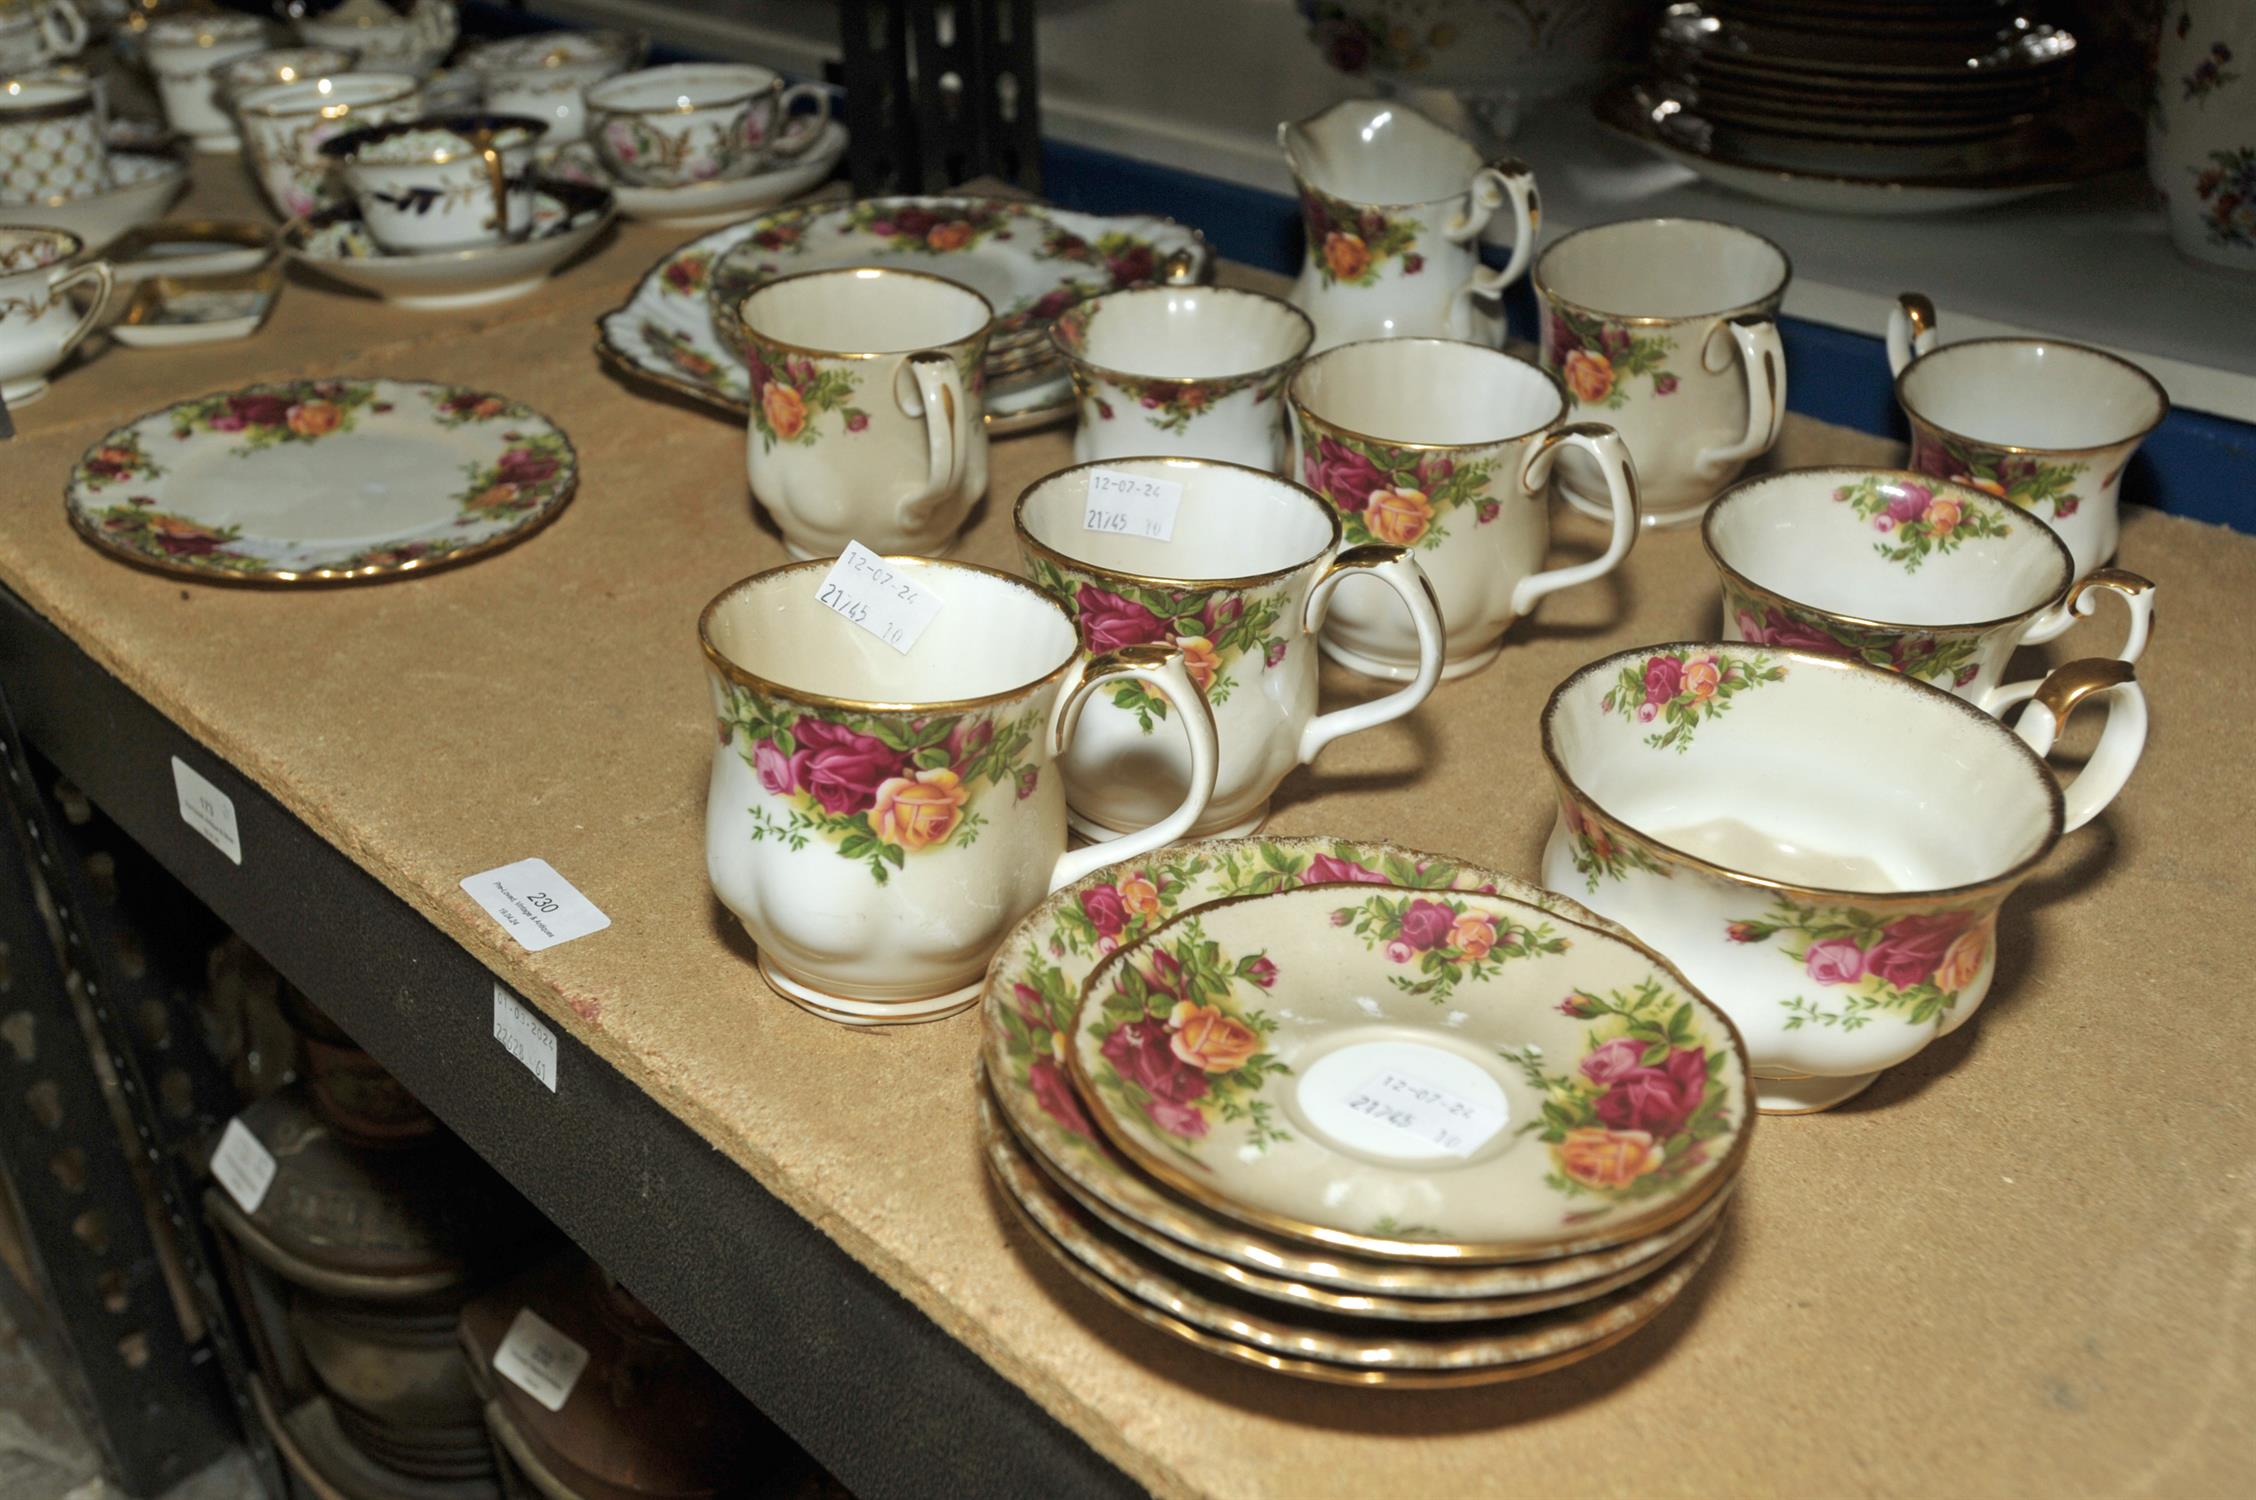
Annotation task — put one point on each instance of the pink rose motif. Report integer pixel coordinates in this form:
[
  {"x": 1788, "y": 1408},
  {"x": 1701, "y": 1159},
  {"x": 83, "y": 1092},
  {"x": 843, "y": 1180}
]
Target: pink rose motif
[
  {"x": 778, "y": 776},
  {"x": 1648, "y": 712},
  {"x": 1274, "y": 655},
  {"x": 1109, "y": 622},
  {"x": 1028, "y": 779},
  {"x": 1262, "y": 972},
  {"x": 1220, "y": 614},
  {"x": 1105, "y": 910},
  {"x": 1132, "y": 265},
  {"x": 969, "y": 740},
  {"x": 857, "y": 421},
  {"x": 1784, "y": 630},
  {"x": 1432, "y": 471},
  {"x": 1400, "y": 952},
  {"x": 1664, "y": 679},
  {"x": 1342, "y": 476},
  {"x": 1613, "y": 342},
  {"x": 521, "y": 468},
  {"x": 1909, "y": 950},
  {"x": 1883, "y": 524},
  {"x": 226, "y": 421},
  {"x": 1031, "y": 1007},
  {"x": 1664, "y": 385},
  {"x": 1658, "y": 1100},
  {"x": 1056, "y": 1096},
  {"x": 1185, "y": 1120},
  {"x": 1426, "y": 924},
  {"x": 1325, "y": 870},
  {"x": 1413, "y": 263},
  {"x": 2066, "y": 506},
  {"x": 259, "y": 411},
  {"x": 1834, "y": 961},
  {"x": 1559, "y": 334},
  {"x": 1613, "y": 1062},
  {"x": 1139, "y": 1052},
  {"x": 1930, "y": 459},
  {"x": 1911, "y": 503},
  {"x": 840, "y": 768},
  {"x": 1050, "y": 306}
]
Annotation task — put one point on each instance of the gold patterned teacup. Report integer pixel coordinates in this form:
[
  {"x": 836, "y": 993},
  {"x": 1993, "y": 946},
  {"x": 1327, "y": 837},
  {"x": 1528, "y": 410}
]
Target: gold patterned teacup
[
  {"x": 285, "y": 126},
  {"x": 51, "y": 142},
  {"x": 441, "y": 182},
  {"x": 233, "y": 79},
  {"x": 687, "y": 123},
  {"x": 1906, "y": 573},
  {"x": 38, "y": 323}
]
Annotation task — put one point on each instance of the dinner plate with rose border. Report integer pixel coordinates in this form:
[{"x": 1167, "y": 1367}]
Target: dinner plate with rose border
[
  {"x": 1033, "y": 988},
  {"x": 322, "y": 480},
  {"x": 1404, "y": 1072},
  {"x": 1315, "y": 1345}
]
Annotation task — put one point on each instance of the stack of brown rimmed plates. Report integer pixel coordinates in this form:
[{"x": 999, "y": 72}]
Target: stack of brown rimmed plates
[{"x": 1358, "y": 1114}]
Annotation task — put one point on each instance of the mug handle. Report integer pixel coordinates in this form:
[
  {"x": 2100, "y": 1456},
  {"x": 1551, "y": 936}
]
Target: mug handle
[
  {"x": 64, "y": 28},
  {"x": 2083, "y": 600},
  {"x": 497, "y": 179},
  {"x": 97, "y": 271},
  {"x": 1762, "y": 359},
  {"x": 1505, "y": 180},
  {"x": 934, "y": 391},
  {"x": 1912, "y": 330},
  {"x": 2117, "y": 753},
  {"x": 1604, "y": 445},
  {"x": 1398, "y": 570},
  {"x": 1161, "y": 669},
  {"x": 790, "y": 138}
]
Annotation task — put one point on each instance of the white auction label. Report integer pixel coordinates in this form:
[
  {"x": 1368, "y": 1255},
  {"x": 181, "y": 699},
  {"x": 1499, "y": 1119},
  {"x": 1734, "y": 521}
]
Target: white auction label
[
  {"x": 1426, "y": 1110},
  {"x": 538, "y": 906},
  {"x": 523, "y": 1037},
  {"x": 539, "y": 1361},
  {"x": 243, "y": 1166},
  {"x": 1131, "y": 505},
  {"x": 207, "y": 809},
  {"x": 879, "y": 597}
]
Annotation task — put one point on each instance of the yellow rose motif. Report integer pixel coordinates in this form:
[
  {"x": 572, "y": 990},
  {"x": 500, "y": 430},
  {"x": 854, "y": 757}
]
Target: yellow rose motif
[
  {"x": 918, "y": 812},
  {"x": 1943, "y": 515},
  {"x": 1962, "y": 960},
  {"x": 953, "y": 235},
  {"x": 1588, "y": 374},
  {"x": 1346, "y": 254},
  {"x": 1139, "y": 895},
  {"x": 1205, "y": 1038},
  {"x": 1473, "y": 935},
  {"x": 1399, "y": 516},
  {"x": 1200, "y": 659},
  {"x": 1702, "y": 678},
  {"x": 310, "y": 419},
  {"x": 786, "y": 413},
  {"x": 1605, "y": 1158}
]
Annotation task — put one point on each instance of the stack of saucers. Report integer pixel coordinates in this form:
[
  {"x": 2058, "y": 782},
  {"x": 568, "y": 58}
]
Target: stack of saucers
[{"x": 1358, "y": 1114}]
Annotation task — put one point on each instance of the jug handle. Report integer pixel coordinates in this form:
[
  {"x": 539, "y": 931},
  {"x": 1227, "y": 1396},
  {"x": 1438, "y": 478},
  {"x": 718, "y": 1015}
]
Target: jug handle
[
  {"x": 1912, "y": 330},
  {"x": 1505, "y": 180}
]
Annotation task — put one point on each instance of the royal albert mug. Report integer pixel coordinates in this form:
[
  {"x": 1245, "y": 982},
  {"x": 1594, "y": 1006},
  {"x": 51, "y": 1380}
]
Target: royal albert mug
[
  {"x": 1906, "y": 573},
  {"x": 1446, "y": 449},
  {"x": 687, "y": 123},
  {"x": 879, "y": 818},
  {"x": 441, "y": 182},
  {"x": 38, "y": 323},
  {"x": 285, "y": 125},
  {"x": 1193, "y": 372},
  {"x": 867, "y": 422},
  {"x": 1239, "y": 585},
  {"x": 1820, "y": 846},
  {"x": 1667, "y": 330},
  {"x": 2045, "y": 424},
  {"x": 51, "y": 143}
]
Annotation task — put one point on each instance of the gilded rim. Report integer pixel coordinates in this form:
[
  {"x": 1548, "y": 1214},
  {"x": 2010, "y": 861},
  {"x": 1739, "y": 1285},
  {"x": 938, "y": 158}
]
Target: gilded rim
[
  {"x": 747, "y": 678},
  {"x": 1999, "y": 885},
  {"x": 1766, "y": 305},
  {"x": 177, "y": 174},
  {"x": 281, "y": 578},
  {"x": 1236, "y": 379},
  {"x": 772, "y": 88},
  {"x": 340, "y": 148},
  {"x": 79, "y": 101},
  {"x": 70, "y": 248},
  {"x": 1040, "y": 548},
  {"x": 1302, "y": 410},
  {"x": 330, "y": 107},
  {"x": 860, "y": 273},
  {"x": 2061, "y": 554},
  {"x": 2161, "y": 396},
  {"x": 1393, "y": 105},
  {"x": 578, "y": 199},
  {"x": 237, "y": 233},
  {"x": 1630, "y": 1227}
]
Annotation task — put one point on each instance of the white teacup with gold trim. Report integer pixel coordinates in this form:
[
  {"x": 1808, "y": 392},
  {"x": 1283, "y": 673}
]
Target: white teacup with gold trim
[
  {"x": 38, "y": 323},
  {"x": 51, "y": 143},
  {"x": 182, "y": 51},
  {"x": 252, "y": 71},
  {"x": 1445, "y": 448},
  {"x": 441, "y": 182},
  {"x": 285, "y": 126},
  {"x": 687, "y": 123},
  {"x": 1239, "y": 585},
  {"x": 547, "y": 74},
  {"x": 1822, "y": 847},
  {"x": 878, "y": 819}
]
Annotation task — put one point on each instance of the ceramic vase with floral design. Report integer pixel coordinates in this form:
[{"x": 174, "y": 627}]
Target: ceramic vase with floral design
[
  {"x": 1821, "y": 847},
  {"x": 2045, "y": 424},
  {"x": 878, "y": 818},
  {"x": 1239, "y": 586},
  {"x": 1396, "y": 209},
  {"x": 2201, "y": 130},
  {"x": 1667, "y": 330},
  {"x": 1445, "y": 449},
  {"x": 39, "y": 324},
  {"x": 1906, "y": 573}
]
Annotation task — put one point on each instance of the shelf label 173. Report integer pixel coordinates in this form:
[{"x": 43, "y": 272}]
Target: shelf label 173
[
  {"x": 1121, "y": 504},
  {"x": 882, "y": 599}
]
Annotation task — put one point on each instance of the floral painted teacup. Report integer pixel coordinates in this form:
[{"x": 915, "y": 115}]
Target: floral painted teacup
[
  {"x": 182, "y": 51},
  {"x": 38, "y": 323},
  {"x": 547, "y": 74},
  {"x": 2045, "y": 424},
  {"x": 688, "y": 123},
  {"x": 1820, "y": 846},
  {"x": 1193, "y": 372},
  {"x": 441, "y": 182},
  {"x": 252, "y": 71},
  {"x": 51, "y": 140},
  {"x": 1446, "y": 449},
  {"x": 1239, "y": 586},
  {"x": 878, "y": 818},
  {"x": 1668, "y": 330},
  {"x": 887, "y": 447},
  {"x": 285, "y": 126},
  {"x": 1903, "y": 572},
  {"x": 1395, "y": 209}
]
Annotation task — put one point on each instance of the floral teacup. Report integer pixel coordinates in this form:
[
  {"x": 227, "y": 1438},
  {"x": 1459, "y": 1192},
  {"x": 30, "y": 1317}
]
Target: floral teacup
[
  {"x": 1395, "y": 209},
  {"x": 878, "y": 818},
  {"x": 1820, "y": 846},
  {"x": 277, "y": 65},
  {"x": 1445, "y": 448},
  {"x": 1668, "y": 330},
  {"x": 441, "y": 182},
  {"x": 38, "y": 323},
  {"x": 1239, "y": 586},
  {"x": 2045, "y": 424},
  {"x": 867, "y": 422},
  {"x": 547, "y": 74},
  {"x": 51, "y": 141},
  {"x": 1903, "y": 572},
  {"x": 1193, "y": 372},
  {"x": 183, "y": 51},
  {"x": 286, "y": 124},
  {"x": 695, "y": 122}
]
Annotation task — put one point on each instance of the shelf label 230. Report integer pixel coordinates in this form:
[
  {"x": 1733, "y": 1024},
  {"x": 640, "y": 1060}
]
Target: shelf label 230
[
  {"x": 882, "y": 599},
  {"x": 1121, "y": 504}
]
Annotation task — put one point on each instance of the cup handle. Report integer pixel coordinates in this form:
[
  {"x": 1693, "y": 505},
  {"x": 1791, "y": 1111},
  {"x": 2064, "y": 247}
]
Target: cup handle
[
  {"x": 933, "y": 389},
  {"x": 1398, "y": 570},
  {"x": 497, "y": 179},
  {"x": 98, "y": 272},
  {"x": 2083, "y": 600},
  {"x": 2117, "y": 753},
  {"x": 1189, "y": 266},
  {"x": 1161, "y": 669},
  {"x": 1505, "y": 180},
  {"x": 1763, "y": 360},
  {"x": 64, "y": 28},
  {"x": 1912, "y": 330},
  {"x": 1603, "y": 444},
  {"x": 791, "y": 138}
]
